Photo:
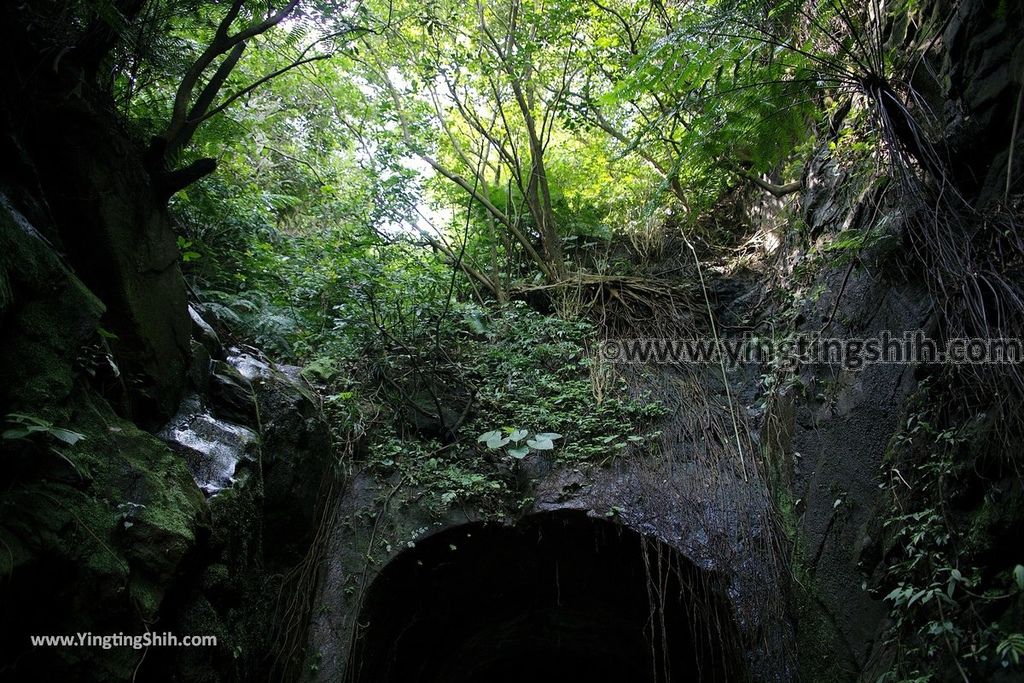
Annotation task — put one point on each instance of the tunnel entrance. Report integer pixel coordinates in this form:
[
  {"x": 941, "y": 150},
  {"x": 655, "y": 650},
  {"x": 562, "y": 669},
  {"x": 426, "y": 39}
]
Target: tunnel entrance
[{"x": 559, "y": 597}]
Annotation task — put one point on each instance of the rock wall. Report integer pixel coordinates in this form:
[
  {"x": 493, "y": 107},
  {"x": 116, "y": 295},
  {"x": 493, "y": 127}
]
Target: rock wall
[
  {"x": 698, "y": 497},
  {"x": 181, "y": 531},
  {"x": 833, "y": 428},
  {"x": 105, "y": 519},
  {"x": 80, "y": 180},
  {"x": 113, "y": 520}
]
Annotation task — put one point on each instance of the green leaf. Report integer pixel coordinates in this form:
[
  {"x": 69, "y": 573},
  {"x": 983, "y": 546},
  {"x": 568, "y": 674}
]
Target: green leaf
[
  {"x": 476, "y": 324},
  {"x": 496, "y": 442},
  {"x": 541, "y": 444},
  {"x": 519, "y": 452},
  {"x": 1018, "y": 576},
  {"x": 67, "y": 436},
  {"x": 487, "y": 436},
  {"x": 918, "y": 595},
  {"x": 1011, "y": 648},
  {"x": 550, "y": 436},
  {"x": 27, "y": 419},
  {"x": 517, "y": 435}
]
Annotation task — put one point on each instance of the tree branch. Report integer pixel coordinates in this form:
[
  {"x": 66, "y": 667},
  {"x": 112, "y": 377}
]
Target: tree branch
[
  {"x": 462, "y": 182},
  {"x": 205, "y": 100},
  {"x": 771, "y": 188},
  {"x": 221, "y": 44}
]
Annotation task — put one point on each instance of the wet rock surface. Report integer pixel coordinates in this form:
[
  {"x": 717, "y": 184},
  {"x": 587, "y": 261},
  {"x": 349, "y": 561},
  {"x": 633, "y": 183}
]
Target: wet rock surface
[
  {"x": 165, "y": 531},
  {"x": 258, "y": 418},
  {"x": 216, "y": 451}
]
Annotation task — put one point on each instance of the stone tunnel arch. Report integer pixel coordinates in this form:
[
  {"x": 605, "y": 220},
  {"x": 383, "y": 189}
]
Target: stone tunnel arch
[{"x": 557, "y": 597}]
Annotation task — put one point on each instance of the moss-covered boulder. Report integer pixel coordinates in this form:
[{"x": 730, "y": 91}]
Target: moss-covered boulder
[{"x": 97, "y": 516}]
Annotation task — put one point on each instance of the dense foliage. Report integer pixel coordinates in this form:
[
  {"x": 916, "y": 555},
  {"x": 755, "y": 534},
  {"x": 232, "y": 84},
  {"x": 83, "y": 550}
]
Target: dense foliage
[
  {"x": 433, "y": 206},
  {"x": 392, "y": 176}
]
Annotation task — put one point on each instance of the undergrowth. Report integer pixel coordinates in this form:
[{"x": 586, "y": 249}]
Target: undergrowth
[
  {"x": 952, "y": 572},
  {"x": 523, "y": 371}
]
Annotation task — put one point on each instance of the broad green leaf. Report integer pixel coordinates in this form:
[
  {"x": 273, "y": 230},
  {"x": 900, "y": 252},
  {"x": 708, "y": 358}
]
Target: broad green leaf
[
  {"x": 67, "y": 436},
  {"x": 550, "y": 436},
  {"x": 519, "y": 452},
  {"x": 496, "y": 442},
  {"x": 487, "y": 436}
]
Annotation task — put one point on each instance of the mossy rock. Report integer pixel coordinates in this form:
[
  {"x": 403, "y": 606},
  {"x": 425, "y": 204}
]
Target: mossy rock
[
  {"x": 48, "y": 313},
  {"x": 116, "y": 538}
]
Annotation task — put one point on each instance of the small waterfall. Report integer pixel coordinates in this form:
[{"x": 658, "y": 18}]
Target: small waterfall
[{"x": 212, "y": 448}]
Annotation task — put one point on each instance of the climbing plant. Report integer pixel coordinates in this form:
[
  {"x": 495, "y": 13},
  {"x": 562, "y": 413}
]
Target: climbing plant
[{"x": 948, "y": 604}]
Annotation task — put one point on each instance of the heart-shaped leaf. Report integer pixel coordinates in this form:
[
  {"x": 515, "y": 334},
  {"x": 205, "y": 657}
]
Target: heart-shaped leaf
[
  {"x": 550, "y": 436},
  {"x": 541, "y": 444},
  {"x": 487, "y": 436},
  {"x": 496, "y": 442},
  {"x": 518, "y": 435},
  {"x": 519, "y": 452}
]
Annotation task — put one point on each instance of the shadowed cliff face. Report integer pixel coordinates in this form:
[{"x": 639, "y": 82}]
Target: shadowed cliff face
[
  {"x": 559, "y": 597},
  {"x": 79, "y": 180}
]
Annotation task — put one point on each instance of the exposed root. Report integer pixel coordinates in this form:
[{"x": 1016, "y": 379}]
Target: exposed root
[{"x": 622, "y": 303}]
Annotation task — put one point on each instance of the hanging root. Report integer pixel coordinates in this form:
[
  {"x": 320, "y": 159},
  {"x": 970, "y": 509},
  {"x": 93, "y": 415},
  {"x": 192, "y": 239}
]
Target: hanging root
[
  {"x": 293, "y": 609},
  {"x": 621, "y": 303}
]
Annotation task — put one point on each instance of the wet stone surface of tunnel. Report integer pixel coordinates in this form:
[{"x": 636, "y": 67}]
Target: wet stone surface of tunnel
[{"x": 558, "y": 597}]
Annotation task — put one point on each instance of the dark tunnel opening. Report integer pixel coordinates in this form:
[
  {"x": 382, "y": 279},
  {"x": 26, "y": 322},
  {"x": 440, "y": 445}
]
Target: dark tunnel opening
[{"x": 558, "y": 597}]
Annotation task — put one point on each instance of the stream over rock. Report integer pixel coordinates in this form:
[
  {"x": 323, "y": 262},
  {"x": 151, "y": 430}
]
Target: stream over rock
[{"x": 212, "y": 448}]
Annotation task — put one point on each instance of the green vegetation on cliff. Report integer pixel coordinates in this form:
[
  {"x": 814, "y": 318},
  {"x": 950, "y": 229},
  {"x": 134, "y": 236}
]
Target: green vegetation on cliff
[{"x": 433, "y": 215}]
